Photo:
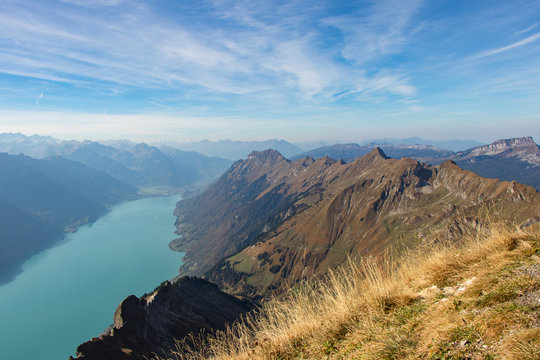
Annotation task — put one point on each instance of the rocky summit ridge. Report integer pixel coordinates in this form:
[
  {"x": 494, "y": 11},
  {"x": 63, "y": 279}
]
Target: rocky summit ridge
[
  {"x": 506, "y": 159},
  {"x": 268, "y": 219}
]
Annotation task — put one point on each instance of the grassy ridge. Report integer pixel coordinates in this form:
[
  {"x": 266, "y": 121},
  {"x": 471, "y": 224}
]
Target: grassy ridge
[{"x": 475, "y": 300}]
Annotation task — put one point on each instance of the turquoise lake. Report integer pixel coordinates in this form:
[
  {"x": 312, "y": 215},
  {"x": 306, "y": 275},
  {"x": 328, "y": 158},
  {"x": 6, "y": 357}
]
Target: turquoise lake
[{"x": 68, "y": 294}]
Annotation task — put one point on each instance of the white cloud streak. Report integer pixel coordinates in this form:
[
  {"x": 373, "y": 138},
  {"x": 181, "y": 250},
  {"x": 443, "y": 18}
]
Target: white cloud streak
[
  {"x": 94, "y": 3},
  {"x": 384, "y": 30},
  {"x": 527, "y": 29},
  {"x": 517, "y": 44}
]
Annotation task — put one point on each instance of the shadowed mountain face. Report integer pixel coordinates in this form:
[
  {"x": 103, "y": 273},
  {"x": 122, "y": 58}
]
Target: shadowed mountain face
[
  {"x": 509, "y": 159},
  {"x": 41, "y": 199},
  {"x": 74, "y": 183},
  {"x": 150, "y": 324},
  {"x": 269, "y": 219}
]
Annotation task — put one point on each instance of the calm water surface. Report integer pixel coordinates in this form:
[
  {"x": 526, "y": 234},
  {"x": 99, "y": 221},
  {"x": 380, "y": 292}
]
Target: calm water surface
[{"x": 67, "y": 295}]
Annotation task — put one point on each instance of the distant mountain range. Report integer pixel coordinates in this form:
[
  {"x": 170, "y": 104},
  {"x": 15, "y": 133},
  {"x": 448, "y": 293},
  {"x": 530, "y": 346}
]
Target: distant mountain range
[
  {"x": 509, "y": 159},
  {"x": 269, "y": 219},
  {"x": 233, "y": 149},
  {"x": 453, "y": 145},
  {"x": 151, "y": 170},
  {"x": 42, "y": 199}
]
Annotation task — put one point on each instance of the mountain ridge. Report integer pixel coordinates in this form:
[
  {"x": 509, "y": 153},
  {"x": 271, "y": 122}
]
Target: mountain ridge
[
  {"x": 309, "y": 215},
  {"x": 507, "y": 159}
]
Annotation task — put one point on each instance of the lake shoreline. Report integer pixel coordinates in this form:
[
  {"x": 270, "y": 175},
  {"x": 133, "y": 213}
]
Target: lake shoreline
[
  {"x": 82, "y": 279},
  {"x": 11, "y": 273}
]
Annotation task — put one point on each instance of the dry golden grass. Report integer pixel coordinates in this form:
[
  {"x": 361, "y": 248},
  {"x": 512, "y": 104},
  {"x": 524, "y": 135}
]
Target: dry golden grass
[{"x": 475, "y": 300}]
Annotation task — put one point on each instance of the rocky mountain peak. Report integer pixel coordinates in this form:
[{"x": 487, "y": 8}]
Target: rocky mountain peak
[
  {"x": 257, "y": 164},
  {"x": 269, "y": 155},
  {"x": 448, "y": 164},
  {"x": 375, "y": 154},
  {"x": 142, "y": 147},
  {"x": 127, "y": 312},
  {"x": 518, "y": 141}
]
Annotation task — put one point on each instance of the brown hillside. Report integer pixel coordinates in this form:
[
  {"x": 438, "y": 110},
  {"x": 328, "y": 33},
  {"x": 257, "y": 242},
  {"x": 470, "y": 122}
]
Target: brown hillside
[{"x": 270, "y": 219}]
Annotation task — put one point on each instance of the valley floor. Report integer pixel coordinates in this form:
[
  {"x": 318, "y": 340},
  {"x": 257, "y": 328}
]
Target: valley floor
[{"x": 476, "y": 300}]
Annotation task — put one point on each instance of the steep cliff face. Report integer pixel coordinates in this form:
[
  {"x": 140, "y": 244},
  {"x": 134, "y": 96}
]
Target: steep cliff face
[
  {"x": 329, "y": 211},
  {"x": 149, "y": 325}
]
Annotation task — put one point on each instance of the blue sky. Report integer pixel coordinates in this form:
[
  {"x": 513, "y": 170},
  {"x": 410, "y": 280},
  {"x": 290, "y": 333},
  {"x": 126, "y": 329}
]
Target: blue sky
[{"x": 297, "y": 70}]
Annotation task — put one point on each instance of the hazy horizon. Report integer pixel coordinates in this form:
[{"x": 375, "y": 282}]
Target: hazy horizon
[{"x": 315, "y": 141}]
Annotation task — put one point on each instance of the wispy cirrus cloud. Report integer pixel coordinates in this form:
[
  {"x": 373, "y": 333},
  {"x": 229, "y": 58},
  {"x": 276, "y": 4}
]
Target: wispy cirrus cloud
[
  {"x": 528, "y": 28},
  {"x": 94, "y": 3},
  {"x": 225, "y": 59},
  {"x": 136, "y": 46},
  {"x": 502, "y": 49},
  {"x": 382, "y": 29}
]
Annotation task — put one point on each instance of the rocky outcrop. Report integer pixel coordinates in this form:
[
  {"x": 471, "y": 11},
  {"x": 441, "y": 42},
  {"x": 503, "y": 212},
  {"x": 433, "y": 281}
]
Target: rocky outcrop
[{"x": 149, "y": 325}]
